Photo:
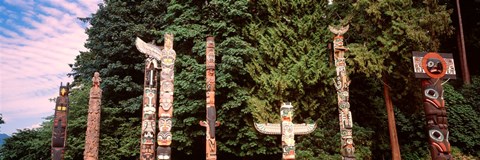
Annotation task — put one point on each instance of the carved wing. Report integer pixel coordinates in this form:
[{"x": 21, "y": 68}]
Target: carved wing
[
  {"x": 338, "y": 31},
  {"x": 148, "y": 49},
  {"x": 269, "y": 128},
  {"x": 303, "y": 129}
]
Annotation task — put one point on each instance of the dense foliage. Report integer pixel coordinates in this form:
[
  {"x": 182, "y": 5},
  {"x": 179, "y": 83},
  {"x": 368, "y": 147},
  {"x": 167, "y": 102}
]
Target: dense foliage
[
  {"x": 28, "y": 144},
  {"x": 267, "y": 52}
]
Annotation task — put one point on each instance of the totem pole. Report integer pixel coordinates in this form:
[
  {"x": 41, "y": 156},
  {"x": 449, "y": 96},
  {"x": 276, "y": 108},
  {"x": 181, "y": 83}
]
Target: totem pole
[
  {"x": 92, "y": 136},
  {"x": 166, "y": 57},
  {"x": 147, "y": 140},
  {"x": 287, "y": 129},
  {"x": 59, "y": 129},
  {"x": 432, "y": 67},
  {"x": 210, "y": 123},
  {"x": 341, "y": 84}
]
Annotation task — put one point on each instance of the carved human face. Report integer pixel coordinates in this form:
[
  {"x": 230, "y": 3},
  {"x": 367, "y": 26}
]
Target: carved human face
[{"x": 434, "y": 66}]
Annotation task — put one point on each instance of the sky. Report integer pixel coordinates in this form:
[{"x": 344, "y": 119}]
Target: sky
[{"x": 38, "y": 39}]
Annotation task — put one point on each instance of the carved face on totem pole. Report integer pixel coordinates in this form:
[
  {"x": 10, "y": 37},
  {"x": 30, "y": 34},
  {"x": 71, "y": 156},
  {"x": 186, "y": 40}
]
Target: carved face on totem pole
[
  {"x": 167, "y": 73},
  {"x": 148, "y": 151},
  {"x": 164, "y": 123},
  {"x": 338, "y": 41},
  {"x": 148, "y": 131},
  {"x": 286, "y": 111},
  {"x": 164, "y": 138},
  {"x": 434, "y": 65},
  {"x": 166, "y": 101},
  {"x": 58, "y": 139}
]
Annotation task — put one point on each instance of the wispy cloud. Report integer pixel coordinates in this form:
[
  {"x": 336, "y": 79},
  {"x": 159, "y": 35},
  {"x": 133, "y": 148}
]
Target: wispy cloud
[{"x": 35, "y": 50}]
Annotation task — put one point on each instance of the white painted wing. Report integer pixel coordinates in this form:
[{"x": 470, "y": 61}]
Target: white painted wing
[
  {"x": 303, "y": 129},
  {"x": 269, "y": 128},
  {"x": 148, "y": 49},
  {"x": 338, "y": 31}
]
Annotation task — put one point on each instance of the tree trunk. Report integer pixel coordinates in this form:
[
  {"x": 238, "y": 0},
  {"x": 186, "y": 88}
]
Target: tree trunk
[
  {"x": 461, "y": 48},
  {"x": 391, "y": 122}
]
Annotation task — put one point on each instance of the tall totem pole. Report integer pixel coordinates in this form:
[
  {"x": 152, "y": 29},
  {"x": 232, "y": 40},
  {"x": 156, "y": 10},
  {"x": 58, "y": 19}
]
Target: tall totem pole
[
  {"x": 92, "y": 137},
  {"x": 341, "y": 84},
  {"x": 166, "y": 57},
  {"x": 432, "y": 67},
  {"x": 287, "y": 129},
  {"x": 210, "y": 123},
  {"x": 59, "y": 129}
]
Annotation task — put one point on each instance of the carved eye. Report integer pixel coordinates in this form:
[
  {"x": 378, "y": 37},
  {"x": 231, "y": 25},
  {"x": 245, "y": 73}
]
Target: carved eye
[
  {"x": 349, "y": 141},
  {"x": 436, "y": 135},
  {"x": 431, "y": 93},
  {"x": 430, "y": 64}
]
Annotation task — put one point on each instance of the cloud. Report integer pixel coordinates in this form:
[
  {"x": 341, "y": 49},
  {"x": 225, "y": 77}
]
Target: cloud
[
  {"x": 35, "y": 50},
  {"x": 38, "y": 125}
]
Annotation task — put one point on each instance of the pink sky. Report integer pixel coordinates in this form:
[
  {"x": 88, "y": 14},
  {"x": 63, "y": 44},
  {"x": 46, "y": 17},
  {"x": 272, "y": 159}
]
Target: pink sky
[{"x": 38, "y": 39}]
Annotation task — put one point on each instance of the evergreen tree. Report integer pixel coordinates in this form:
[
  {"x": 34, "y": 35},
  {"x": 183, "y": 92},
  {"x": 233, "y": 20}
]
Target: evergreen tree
[
  {"x": 28, "y": 143},
  {"x": 291, "y": 63}
]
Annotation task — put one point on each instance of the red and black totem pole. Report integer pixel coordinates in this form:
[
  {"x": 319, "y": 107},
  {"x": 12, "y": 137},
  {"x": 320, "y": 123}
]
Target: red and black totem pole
[
  {"x": 210, "y": 123},
  {"x": 166, "y": 57},
  {"x": 59, "y": 129},
  {"x": 432, "y": 67}
]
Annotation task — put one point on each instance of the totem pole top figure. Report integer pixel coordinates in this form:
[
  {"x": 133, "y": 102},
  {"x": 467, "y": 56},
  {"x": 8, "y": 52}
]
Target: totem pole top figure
[
  {"x": 338, "y": 40},
  {"x": 96, "y": 79},
  {"x": 433, "y": 65},
  {"x": 165, "y": 55},
  {"x": 63, "y": 91}
]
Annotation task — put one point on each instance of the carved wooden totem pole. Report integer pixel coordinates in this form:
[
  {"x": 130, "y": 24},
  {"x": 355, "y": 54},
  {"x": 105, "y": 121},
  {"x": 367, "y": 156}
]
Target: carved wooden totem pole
[
  {"x": 433, "y": 67},
  {"x": 92, "y": 136},
  {"x": 287, "y": 129},
  {"x": 147, "y": 143},
  {"x": 59, "y": 129},
  {"x": 341, "y": 84},
  {"x": 166, "y": 57},
  {"x": 210, "y": 123}
]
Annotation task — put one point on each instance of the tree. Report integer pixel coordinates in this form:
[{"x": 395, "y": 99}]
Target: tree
[{"x": 28, "y": 143}]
